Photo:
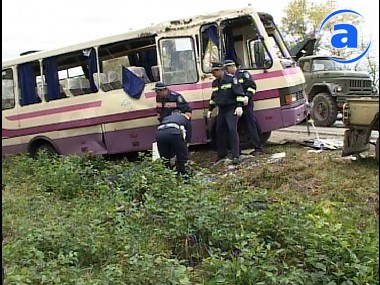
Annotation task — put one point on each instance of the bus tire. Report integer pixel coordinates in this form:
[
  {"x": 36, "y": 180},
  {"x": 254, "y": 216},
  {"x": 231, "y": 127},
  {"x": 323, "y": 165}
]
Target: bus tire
[
  {"x": 264, "y": 137},
  {"x": 244, "y": 137},
  {"x": 324, "y": 111},
  {"x": 42, "y": 147},
  {"x": 377, "y": 150}
]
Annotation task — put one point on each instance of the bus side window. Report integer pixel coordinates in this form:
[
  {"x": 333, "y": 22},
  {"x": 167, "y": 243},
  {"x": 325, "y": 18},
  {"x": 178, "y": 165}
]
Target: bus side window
[
  {"x": 8, "y": 95},
  {"x": 210, "y": 46},
  {"x": 178, "y": 60}
]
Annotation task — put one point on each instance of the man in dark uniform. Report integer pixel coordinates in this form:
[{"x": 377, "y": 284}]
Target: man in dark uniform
[
  {"x": 249, "y": 86},
  {"x": 173, "y": 135},
  {"x": 228, "y": 95},
  {"x": 167, "y": 101}
]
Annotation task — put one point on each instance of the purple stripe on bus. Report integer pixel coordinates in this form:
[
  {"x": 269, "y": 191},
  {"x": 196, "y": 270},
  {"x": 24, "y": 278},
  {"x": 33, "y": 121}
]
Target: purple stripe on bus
[
  {"x": 80, "y": 123},
  {"x": 127, "y": 140},
  {"x": 197, "y": 86},
  {"x": 57, "y": 110},
  {"x": 7, "y": 133},
  {"x": 261, "y": 95},
  {"x": 138, "y": 139}
]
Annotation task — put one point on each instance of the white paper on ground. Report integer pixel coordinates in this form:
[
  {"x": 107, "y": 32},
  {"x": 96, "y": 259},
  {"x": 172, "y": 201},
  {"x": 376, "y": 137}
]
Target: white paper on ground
[{"x": 155, "y": 153}]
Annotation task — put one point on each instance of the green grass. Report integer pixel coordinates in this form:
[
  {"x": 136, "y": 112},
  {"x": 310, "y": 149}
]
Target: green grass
[{"x": 306, "y": 219}]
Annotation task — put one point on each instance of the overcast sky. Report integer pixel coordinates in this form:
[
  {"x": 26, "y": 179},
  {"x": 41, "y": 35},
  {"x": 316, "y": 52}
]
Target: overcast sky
[{"x": 46, "y": 24}]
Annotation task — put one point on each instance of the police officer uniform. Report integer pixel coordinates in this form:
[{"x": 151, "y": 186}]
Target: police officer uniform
[
  {"x": 170, "y": 102},
  {"x": 173, "y": 135},
  {"x": 228, "y": 95},
  {"x": 249, "y": 86}
]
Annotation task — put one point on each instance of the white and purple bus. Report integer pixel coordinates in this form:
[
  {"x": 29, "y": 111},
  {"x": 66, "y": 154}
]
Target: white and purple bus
[{"x": 97, "y": 96}]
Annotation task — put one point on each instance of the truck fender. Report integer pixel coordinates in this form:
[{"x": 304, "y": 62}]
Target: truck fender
[{"x": 321, "y": 88}]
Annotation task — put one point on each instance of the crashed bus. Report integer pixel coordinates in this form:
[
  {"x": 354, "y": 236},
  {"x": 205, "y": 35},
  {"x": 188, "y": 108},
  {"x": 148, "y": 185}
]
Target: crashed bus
[{"x": 97, "y": 96}]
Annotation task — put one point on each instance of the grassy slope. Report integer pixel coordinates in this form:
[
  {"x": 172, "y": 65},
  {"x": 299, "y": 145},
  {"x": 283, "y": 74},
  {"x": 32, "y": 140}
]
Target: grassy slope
[{"x": 306, "y": 219}]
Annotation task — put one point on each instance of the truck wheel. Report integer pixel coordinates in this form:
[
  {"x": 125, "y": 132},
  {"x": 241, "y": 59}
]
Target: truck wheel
[
  {"x": 377, "y": 150},
  {"x": 324, "y": 110}
]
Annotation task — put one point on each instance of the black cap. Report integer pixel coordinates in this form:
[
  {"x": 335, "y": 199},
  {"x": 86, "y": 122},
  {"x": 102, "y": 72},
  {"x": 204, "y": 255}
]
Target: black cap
[
  {"x": 229, "y": 62},
  {"x": 159, "y": 85},
  {"x": 216, "y": 66}
]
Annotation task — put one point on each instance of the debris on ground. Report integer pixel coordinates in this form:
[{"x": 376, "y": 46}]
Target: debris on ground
[
  {"x": 276, "y": 157},
  {"x": 323, "y": 144}
]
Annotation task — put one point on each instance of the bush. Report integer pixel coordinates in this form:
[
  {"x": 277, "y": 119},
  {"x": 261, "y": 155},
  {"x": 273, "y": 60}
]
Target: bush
[{"x": 85, "y": 220}]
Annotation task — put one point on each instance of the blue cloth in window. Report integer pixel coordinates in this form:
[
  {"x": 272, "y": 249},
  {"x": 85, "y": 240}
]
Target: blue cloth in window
[
  {"x": 52, "y": 81},
  {"x": 27, "y": 81},
  {"x": 132, "y": 84}
]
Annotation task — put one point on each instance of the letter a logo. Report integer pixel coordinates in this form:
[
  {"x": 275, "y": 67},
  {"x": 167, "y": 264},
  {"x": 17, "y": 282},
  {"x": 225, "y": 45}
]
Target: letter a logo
[{"x": 348, "y": 39}]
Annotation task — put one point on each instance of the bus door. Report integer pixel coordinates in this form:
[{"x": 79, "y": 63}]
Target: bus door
[{"x": 209, "y": 52}]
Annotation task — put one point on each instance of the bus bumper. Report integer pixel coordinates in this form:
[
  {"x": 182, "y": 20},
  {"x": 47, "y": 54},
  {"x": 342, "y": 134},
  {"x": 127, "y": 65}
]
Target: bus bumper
[{"x": 294, "y": 115}]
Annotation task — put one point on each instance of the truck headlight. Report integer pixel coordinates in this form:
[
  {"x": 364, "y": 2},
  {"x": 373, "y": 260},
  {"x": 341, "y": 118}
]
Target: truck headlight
[
  {"x": 338, "y": 88},
  {"x": 374, "y": 89}
]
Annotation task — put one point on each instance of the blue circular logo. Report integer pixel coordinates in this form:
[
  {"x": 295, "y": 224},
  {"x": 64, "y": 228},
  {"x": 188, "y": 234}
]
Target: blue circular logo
[{"x": 350, "y": 36}]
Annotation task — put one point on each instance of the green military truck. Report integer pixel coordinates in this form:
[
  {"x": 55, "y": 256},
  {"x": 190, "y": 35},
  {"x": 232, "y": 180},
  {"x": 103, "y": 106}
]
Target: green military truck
[
  {"x": 329, "y": 83},
  {"x": 361, "y": 117}
]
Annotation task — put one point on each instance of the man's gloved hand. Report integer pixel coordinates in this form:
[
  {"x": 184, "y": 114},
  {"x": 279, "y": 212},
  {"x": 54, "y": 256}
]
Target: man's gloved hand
[
  {"x": 245, "y": 102},
  {"x": 208, "y": 116},
  {"x": 238, "y": 111}
]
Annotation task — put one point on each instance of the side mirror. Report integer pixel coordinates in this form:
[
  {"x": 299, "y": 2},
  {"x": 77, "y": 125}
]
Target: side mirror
[{"x": 259, "y": 53}]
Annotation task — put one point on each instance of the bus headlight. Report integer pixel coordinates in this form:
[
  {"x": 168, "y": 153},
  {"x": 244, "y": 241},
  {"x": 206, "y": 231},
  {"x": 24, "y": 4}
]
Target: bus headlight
[{"x": 290, "y": 98}]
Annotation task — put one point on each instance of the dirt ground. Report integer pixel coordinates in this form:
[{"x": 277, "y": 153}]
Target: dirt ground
[{"x": 206, "y": 156}]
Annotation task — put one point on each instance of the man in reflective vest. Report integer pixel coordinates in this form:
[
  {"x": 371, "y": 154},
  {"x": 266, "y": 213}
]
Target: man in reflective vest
[
  {"x": 249, "y": 86},
  {"x": 228, "y": 95},
  {"x": 173, "y": 135},
  {"x": 167, "y": 101}
]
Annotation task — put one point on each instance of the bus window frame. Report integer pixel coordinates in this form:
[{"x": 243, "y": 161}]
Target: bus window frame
[
  {"x": 12, "y": 89},
  {"x": 162, "y": 59}
]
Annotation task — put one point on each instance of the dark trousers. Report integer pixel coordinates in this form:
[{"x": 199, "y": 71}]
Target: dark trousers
[
  {"x": 226, "y": 128},
  {"x": 170, "y": 143},
  {"x": 252, "y": 124}
]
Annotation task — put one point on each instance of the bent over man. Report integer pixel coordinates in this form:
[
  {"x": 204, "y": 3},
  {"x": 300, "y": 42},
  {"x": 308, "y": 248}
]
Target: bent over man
[
  {"x": 173, "y": 135},
  {"x": 167, "y": 101},
  {"x": 228, "y": 95},
  {"x": 249, "y": 86}
]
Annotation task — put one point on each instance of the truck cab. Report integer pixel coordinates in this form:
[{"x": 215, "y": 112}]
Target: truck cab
[{"x": 329, "y": 84}]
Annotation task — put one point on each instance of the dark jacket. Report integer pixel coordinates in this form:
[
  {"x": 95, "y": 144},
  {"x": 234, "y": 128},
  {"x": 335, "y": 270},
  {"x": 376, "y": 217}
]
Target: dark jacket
[
  {"x": 165, "y": 106},
  {"x": 226, "y": 92},
  {"x": 181, "y": 120},
  {"x": 246, "y": 81}
]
